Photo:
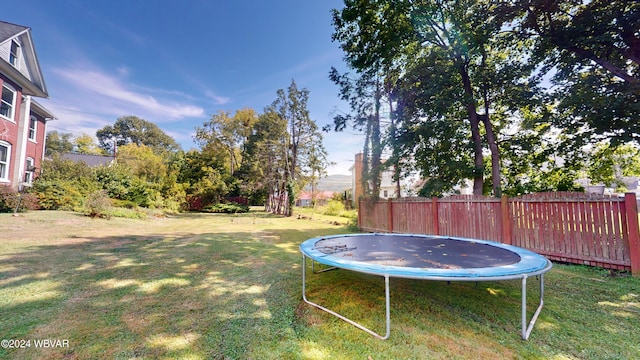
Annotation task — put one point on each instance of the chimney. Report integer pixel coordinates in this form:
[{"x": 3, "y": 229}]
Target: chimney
[{"x": 358, "y": 191}]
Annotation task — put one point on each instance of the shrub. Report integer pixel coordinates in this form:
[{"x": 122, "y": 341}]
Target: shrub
[
  {"x": 115, "y": 179},
  {"x": 143, "y": 194},
  {"x": 127, "y": 204},
  {"x": 63, "y": 184},
  {"x": 57, "y": 194},
  {"x": 126, "y": 213},
  {"x": 8, "y": 199},
  {"x": 226, "y": 208},
  {"x": 175, "y": 196},
  {"x": 28, "y": 202},
  {"x": 98, "y": 204},
  {"x": 333, "y": 208}
]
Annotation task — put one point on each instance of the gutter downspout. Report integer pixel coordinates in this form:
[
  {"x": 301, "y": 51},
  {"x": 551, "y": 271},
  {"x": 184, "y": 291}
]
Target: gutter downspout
[{"x": 21, "y": 143}]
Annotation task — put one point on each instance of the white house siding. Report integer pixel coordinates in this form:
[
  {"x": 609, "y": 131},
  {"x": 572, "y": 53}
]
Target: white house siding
[{"x": 5, "y": 49}]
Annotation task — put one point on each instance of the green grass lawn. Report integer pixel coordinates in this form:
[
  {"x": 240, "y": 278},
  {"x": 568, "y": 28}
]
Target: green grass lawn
[{"x": 211, "y": 286}]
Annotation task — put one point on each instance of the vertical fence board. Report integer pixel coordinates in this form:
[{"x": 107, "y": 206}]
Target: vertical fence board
[
  {"x": 592, "y": 228},
  {"x": 562, "y": 227},
  {"x": 572, "y": 229},
  {"x": 556, "y": 232},
  {"x": 597, "y": 231},
  {"x": 617, "y": 232},
  {"x": 538, "y": 225},
  {"x": 607, "y": 228},
  {"x": 584, "y": 228},
  {"x": 529, "y": 212},
  {"x": 516, "y": 230}
]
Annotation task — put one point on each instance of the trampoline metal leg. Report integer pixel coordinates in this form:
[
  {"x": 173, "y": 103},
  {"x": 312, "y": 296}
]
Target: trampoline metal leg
[
  {"x": 526, "y": 330},
  {"x": 361, "y": 327},
  {"x": 313, "y": 269}
]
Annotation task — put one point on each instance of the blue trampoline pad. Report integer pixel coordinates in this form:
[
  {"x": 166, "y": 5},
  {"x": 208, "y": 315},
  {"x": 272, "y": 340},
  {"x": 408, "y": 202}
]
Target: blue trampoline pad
[{"x": 424, "y": 256}]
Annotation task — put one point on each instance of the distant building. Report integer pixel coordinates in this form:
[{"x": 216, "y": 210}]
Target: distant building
[
  {"x": 307, "y": 198},
  {"x": 631, "y": 183},
  {"x": 388, "y": 187},
  {"x": 23, "y": 121},
  {"x": 90, "y": 160}
]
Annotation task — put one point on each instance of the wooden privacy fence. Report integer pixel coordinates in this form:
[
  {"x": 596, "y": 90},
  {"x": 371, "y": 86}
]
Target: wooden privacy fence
[{"x": 569, "y": 227}]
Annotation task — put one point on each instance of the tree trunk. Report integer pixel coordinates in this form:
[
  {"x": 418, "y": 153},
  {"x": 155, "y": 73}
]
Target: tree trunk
[
  {"x": 495, "y": 155},
  {"x": 478, "y": 158},
  {"x": 376, "y": 147},
  {"x": 394, "y": 146},
  {"x": 366, "y": 160}
]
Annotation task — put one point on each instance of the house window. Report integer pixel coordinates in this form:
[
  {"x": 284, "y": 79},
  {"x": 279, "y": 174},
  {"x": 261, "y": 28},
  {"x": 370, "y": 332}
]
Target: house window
[
  {"x": 5, "y": 151},
  {"x": 8, "y": 102},
  {"x": 13, "y": 55},
  {"x": 33, "y": 123},
  {"x": 29, "y": 171}
]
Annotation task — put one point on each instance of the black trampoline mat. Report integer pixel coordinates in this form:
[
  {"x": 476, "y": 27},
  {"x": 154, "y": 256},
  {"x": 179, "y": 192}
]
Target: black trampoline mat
[{"x": 417, "y": 252}]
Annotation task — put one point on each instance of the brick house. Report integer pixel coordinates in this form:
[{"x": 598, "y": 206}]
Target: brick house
[{"x": 23, "y": 121}]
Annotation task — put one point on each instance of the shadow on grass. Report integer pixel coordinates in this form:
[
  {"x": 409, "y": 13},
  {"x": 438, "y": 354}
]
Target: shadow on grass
[{"x": 212, "y": 295}]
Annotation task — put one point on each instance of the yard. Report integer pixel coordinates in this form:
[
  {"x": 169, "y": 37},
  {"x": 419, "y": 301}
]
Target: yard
[{"x": 210, "y": 286}]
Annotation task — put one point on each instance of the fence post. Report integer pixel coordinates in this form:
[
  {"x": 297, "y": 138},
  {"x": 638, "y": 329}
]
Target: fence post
[
  {"x": 434, "y": 211},
  {"x": 389, "y": 215},
  {"x": 631, "y": 209},
  {"x": 506, "y": 220}
]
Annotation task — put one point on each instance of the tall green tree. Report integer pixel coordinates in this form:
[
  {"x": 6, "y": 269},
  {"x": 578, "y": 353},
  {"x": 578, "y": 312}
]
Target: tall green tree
[
  {"x": 228, "y": 133},
  {"x": 264, "y": 161},
  {"x": 202, "y": 169},
  {"x": 364, "y": 93},
  {"x": 440, "y": 47},
  {"x": 132, "y": 129},
  {"x": 303, "y": 140}
]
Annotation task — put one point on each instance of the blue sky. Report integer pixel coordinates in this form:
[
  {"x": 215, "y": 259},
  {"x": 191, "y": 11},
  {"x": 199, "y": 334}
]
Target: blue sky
[{"x": 177, "y": 62}]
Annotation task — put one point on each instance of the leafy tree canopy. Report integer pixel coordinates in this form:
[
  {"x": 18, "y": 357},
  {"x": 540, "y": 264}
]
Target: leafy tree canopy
[
  {"x": 608, "y": 165},
  {"x": 227, "y": 134},
  {"x": 592, "y": 51},
  {"x": 132, "y": 129},
  {"x": 85, "y": 144},
  {"x": 142, "y": 161},
  {"x": 58, "y": 143}
]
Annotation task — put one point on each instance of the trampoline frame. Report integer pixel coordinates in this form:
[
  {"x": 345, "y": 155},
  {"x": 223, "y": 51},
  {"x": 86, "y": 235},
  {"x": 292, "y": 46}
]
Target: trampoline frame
[{"x": 526, "y": 329}]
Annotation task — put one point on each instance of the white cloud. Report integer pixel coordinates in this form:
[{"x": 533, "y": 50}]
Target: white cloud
[
  {"x": 100, "y": 89},
  {"x": 219, "y": 100},
  {"x": 123, "y": 71}
]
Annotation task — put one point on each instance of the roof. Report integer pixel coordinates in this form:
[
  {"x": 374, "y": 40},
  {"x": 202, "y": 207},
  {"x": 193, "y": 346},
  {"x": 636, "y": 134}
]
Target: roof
[
  {"x": 41, "y": 110},
  {"x": 35, "y": 85},
  {"x": 307, "y": 195},
  {"x": 9, "y": 30},
  {"x": 90, "y": 160}
]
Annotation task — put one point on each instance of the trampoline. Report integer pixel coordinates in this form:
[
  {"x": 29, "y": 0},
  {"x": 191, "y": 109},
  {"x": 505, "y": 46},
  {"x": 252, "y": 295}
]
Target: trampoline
[{"x": 425, "y": 257}]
